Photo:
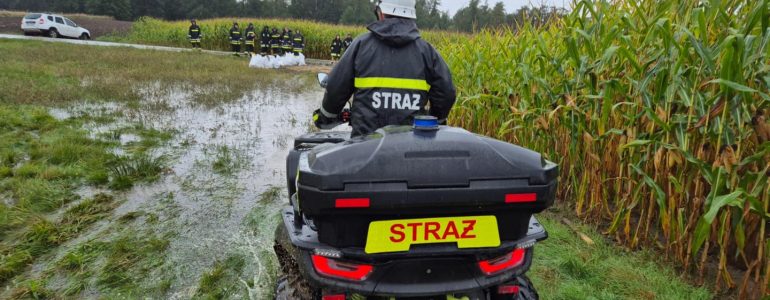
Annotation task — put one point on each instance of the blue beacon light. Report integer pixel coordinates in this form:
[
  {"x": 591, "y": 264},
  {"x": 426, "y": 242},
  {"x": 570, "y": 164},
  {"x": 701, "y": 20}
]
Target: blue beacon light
[{"x": 425, "y": 123}]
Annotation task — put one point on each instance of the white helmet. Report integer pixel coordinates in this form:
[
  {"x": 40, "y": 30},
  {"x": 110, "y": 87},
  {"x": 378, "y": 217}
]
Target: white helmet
[{"x": 399, "y": 8}]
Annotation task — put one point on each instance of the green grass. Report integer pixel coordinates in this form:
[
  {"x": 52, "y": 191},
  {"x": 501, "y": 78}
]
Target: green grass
[
  {"x": 41, "y": 236},
  {"x": 129, "y": 258},
  {"x": 43, "y": 160},
  {"x": 227, "y": 161},
  {"x": 142, "y": 139},
  {"x": 568, "y": 267},
  {"x": 116, "y": 266},
  {"x": 222, "y": 281},
  {"x": 36, "y": 73},
  {"x": 128, "y": 170}
]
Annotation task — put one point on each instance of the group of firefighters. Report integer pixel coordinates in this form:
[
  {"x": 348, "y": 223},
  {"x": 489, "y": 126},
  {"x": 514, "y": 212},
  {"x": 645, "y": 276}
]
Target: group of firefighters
[
  {"x": 339, "y": 46},
  {"x": 270, "y": 42}
]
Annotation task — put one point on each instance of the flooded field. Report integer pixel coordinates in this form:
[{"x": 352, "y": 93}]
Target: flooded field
[
  {"x": 143, "y": 174},
  {"x": 217, "y": 200}
]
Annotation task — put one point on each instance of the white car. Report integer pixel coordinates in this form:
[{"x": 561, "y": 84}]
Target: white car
[{"x": 53, "y": 26}]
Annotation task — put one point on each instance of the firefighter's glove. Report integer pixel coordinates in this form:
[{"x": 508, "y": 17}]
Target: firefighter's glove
[
  {"x": 323, "y": 122},
  {"x": 345, "y": 115}
]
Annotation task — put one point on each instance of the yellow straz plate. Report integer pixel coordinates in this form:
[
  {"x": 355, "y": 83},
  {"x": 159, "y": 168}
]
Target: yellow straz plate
[{"x": 399, "y": 235}]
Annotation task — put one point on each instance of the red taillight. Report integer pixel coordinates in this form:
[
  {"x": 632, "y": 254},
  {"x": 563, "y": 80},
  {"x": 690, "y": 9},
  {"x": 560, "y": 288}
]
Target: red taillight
[
  {"x": 352, "y": 203},
  {"x": 520, "y": 198},
  {"x": 334, "y": 297},
  {"x": 332, "y": 268},
  {"x": 41, "y": 21},
  {"x": 503, "y": 263},
  {"x": 507, "y": 289}
]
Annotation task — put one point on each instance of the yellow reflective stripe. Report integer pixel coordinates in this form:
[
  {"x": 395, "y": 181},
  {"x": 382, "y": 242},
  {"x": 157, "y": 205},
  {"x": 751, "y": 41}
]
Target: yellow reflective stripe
[{"x": 392, "y": 83}]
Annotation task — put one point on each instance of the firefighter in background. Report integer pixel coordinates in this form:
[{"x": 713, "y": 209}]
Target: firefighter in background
[
  {"x": 336, "y": 48},
  {"x": 194, "y": 34},
  {"x": 275, "y": 42},
  {"x": 235, "y": 38},
  {"x": 346, "y": 43},
  {"x": 299, "y": 43},
  {"x": 264, "y": 41},
  {"x": 251, "y": 37},
  {"x": 286, "y": 41}
]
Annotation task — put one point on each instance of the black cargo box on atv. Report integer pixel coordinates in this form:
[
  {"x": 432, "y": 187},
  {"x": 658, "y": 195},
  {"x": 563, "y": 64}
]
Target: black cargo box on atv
[{"x": 402, "y": 173}]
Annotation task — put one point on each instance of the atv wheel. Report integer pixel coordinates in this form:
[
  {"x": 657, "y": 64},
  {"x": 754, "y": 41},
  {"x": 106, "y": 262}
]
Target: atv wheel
[
  {"x": 526, "y": 290},
  {"x": 291, "y": 285}
]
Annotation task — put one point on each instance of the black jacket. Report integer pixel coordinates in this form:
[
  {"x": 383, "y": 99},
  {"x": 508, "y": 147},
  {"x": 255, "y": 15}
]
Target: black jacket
[
  {"x": 251, "y": 34},
  {"x": 299, "y": 41},
  {"x": 393, "y": 75},
  {"x": 286, "y": 40},
  {"x": 265, "y": 38},
  {"x": 336, "y": 46},
  {"x": 235, "y": 35},
  {"x": 194, "y": 32},
  {"x": 275, "y": 39},
  {"x": 346, "y": 43}
]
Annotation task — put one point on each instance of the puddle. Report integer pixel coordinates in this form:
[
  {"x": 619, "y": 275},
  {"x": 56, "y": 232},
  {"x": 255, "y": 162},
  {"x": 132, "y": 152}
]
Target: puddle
[
  {"x": 222, "y": 157},
  {"x": 127, "y": 138}
]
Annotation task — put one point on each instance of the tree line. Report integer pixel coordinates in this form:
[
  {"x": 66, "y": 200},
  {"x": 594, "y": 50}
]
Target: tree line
[{"x": 476, "y": 15}]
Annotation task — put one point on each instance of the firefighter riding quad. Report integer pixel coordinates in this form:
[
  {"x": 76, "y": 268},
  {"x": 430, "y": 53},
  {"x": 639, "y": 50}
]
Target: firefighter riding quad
[{"x": 411, "y": 212}]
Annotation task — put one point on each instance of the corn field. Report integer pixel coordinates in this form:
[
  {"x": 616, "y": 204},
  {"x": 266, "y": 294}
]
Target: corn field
[
  {"x": 656, "y": 111},
  {"x": 216, "y": 33}
]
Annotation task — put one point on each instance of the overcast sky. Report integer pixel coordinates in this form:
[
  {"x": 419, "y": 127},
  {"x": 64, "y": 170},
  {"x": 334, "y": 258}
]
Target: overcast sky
[{"x": 510, "y": 5}]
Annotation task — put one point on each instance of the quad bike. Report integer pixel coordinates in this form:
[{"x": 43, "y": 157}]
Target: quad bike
[{"x": 411, "y": 212}]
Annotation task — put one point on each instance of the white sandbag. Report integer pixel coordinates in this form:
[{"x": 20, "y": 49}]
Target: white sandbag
[
  {"x": 287, "y": 60},
  {"x": 260, "y": 62},
  {"x": 253, "y": 62},
  {"x": 275, "y": 62}
]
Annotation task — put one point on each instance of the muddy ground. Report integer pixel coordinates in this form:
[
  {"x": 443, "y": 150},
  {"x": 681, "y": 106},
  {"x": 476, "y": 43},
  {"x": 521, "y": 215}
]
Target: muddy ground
[{"x": 98, "y": 26}]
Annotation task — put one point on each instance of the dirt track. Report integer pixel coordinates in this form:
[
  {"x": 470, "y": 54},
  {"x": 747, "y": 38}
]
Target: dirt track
[{"x": 98, "y": 26}]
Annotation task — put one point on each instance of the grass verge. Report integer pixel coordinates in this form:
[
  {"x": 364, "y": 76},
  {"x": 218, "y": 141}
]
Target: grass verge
[{"x": 576, "y": 262}]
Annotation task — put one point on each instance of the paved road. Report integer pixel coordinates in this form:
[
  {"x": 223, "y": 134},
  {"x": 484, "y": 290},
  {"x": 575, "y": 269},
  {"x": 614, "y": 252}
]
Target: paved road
[{"x": 309, "y": 61}]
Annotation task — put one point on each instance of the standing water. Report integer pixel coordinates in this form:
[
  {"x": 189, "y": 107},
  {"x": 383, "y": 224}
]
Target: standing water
[{"x": 225, "y": 179}]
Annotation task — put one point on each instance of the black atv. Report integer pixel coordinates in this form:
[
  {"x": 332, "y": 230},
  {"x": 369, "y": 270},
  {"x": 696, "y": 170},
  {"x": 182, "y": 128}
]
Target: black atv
[{"x": 411, "y": 212}]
